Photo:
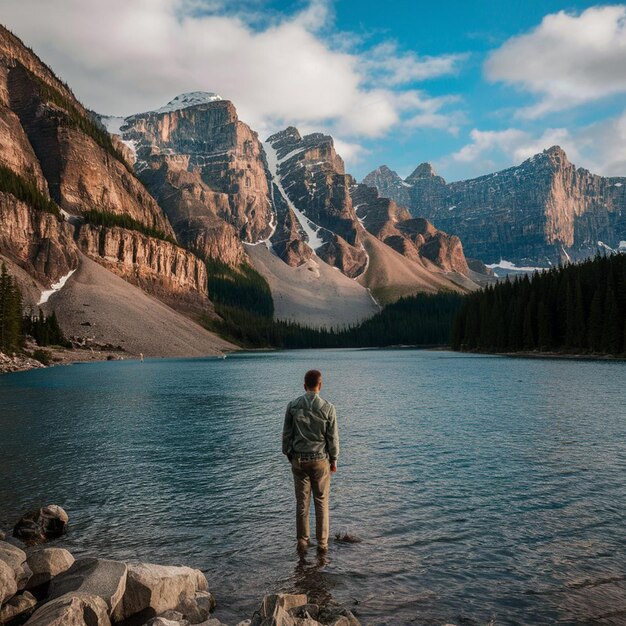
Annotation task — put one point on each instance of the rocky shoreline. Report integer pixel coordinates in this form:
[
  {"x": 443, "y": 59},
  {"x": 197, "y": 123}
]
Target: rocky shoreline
[
  {"x": 46, "y": 586},
  {"x": 57, "y": 356}
]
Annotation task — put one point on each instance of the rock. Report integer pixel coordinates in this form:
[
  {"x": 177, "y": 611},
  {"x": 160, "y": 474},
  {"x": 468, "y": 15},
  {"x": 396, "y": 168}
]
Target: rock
[
  {"x": 23, "y": 577},
  {"x": 45, "y": 564},
  {"x": 196, "y": 609},
  {"x": 42, "y": 525},
  {"x": 152, "y": 589},
  {"x": 8, "y": 585},
  {"x": 205, "y": 600},
  {"x": 15, "y": 559},
  {"x": 13, "y": 556},
  {"x": 70, "y": 610},
  {"x": 94, "y": 577},
  {"x": 162, "y": 621},
  {"x": 275, "y": 610},
  {"x": 310, "y": 611},
  {"x": 18, "y": 606}
]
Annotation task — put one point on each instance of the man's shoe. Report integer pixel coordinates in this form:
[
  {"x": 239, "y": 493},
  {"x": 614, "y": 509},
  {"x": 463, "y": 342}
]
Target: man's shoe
[
  {"x": 322, "y": 547},
  {"x": 303, "y": 545}
]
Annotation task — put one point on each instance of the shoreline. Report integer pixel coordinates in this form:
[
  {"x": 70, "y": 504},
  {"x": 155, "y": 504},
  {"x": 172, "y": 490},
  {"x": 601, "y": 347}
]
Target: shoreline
[
  {"x": 555, "y": 356},
  {"x": 65, "y": 356},
  {"x": 45, "y": 585}
]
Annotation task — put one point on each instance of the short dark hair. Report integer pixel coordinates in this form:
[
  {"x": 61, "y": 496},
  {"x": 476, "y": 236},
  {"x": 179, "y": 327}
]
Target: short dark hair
[{"x": 312, "y": 379}]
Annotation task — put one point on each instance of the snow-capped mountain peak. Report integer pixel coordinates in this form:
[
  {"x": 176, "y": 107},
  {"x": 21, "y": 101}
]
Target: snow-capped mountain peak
[{"x": 189, "y": 99}]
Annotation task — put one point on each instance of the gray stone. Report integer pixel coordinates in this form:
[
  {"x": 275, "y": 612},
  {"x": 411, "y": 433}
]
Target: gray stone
[
  {"x": 23, "y": 576},
  {"x": 162, "y": 620},
  {"x": 306, "y": 611},
  {"x": 18, "y": 606},
  {"x": 94, "y": 577},
  {"x": 41, "y": 525},
  {"x": 72, "y": 610},
  {"x": 47, "y": 563},
  {"x": 13, "y": 556},
  {"x": 275, "y": 610},
  {"x": 8, "y": 586},
  {"x": 153, "y": 589}
]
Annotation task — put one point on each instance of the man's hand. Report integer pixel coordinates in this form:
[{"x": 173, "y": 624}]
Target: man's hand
[{"x": 333, "y": 466}]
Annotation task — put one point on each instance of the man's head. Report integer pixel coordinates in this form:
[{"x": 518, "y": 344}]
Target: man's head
[{"x": 313, "y": 380}]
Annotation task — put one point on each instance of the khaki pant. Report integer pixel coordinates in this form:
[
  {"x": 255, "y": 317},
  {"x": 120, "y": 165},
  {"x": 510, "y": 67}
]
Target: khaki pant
[{"x": 312, "y": 476}]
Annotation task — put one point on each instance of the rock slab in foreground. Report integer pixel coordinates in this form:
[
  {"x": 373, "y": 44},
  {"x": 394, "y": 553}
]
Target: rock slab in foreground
[
  {"x": 41, "y": 525},
  {"x": 18, "y": 606},
  {"x": 153, "y": 589},
  {"x": 45, "y": 564},
  {"x": 14, "y": 573},
  {"x": 102, "y": 578},
  {"x": 83, "y": 610}
]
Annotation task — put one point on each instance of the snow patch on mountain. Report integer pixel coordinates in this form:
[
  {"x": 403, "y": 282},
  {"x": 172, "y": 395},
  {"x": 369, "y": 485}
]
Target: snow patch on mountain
[
  {"x": 311, "y": 230},
  {"x": 190, "y": 99},
  {"x": 45, "y": 295}
]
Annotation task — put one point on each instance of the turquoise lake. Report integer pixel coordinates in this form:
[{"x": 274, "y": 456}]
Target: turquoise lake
[{"x": 483, "y": 488}]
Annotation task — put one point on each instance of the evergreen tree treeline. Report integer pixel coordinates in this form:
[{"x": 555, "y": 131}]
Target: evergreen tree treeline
[
  {"x": 27, "y": 192},
  {"x": 573, "y": 309},
  {"x": 11, "y": 332},
  {"x": 422, "y": 320},
  {"x": 15, "y": 326}
]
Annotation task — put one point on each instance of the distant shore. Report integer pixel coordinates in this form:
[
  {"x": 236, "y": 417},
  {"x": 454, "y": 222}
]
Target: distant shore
[{"x": 564, "y": 356}]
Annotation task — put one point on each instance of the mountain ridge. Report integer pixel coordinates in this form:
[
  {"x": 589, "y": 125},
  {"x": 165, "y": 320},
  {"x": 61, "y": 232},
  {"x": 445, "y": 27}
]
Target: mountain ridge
[{"x": 541, "y": 212}]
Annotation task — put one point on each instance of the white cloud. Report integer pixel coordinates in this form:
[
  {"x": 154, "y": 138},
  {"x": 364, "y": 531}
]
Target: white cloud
[
  {"x": 126, "y": 56},
  {"x": 598, "y": 147},
  {"x": 388, "y": 66},
  {"x": 489, "y": 149},
  {"x": 568, "y": 60}
]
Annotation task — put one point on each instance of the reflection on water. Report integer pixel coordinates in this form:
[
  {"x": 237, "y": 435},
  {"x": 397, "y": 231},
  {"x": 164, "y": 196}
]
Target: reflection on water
[{"x": 483, "y": 488}]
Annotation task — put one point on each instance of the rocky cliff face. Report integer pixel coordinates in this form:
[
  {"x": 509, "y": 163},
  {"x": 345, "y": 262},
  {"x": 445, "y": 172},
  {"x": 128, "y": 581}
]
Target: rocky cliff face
[
  {"x": 543, "y": 211},
  {"x": 58, "y": 152},
  {"x": 309, "y": 178},
  {"x": 39, "y": 242},
  {"x": 159, "y": 267},
  {"x": 414, "y": 238},
  {"x": 207, "y": 170}
]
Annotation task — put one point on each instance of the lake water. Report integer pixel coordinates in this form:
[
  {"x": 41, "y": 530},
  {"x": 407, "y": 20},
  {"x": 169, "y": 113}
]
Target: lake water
[{"x": 483, "y": 488}]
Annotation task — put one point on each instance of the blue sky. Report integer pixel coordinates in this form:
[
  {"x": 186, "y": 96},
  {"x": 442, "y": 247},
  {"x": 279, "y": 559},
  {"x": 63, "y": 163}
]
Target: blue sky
[{"x": 469, "y": 86}]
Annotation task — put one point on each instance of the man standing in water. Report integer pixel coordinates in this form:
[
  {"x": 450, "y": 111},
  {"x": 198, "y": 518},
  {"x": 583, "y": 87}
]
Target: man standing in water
[{"x": 311, "y": 443}]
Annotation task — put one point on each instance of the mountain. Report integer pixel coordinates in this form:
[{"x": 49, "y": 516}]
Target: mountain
[
  {"x": 542, "y": 212},
  {"x": 284, "y": 205},
  {"x": 118, "y": 223},
  {"x": 68, "y": 195}
]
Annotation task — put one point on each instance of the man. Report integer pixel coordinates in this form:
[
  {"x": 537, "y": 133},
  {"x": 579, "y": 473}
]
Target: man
[{"x": 311, "y": 443}]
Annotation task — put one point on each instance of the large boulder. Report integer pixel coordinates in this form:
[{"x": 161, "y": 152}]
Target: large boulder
[
  {"x": 41, "y": 525},
  {"x": 15, "y": 559},
  {"x": 72, "y": 610},
  {"x": 45, "y": 564},
  {"x": 8, "y": 586},
  {"x": 153, "y": 589},
  {"x": 18, "y": 607},
  {"x": 94, "y": 577}
]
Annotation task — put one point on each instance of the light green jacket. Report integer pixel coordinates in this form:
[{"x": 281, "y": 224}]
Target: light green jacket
[{"x": 311, "y": 427}]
